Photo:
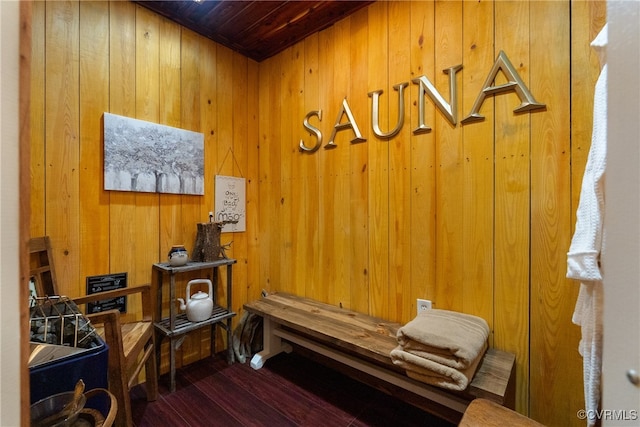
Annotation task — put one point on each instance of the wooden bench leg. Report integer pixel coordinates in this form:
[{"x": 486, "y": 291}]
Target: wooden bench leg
[{"x": 272, "y": 346}]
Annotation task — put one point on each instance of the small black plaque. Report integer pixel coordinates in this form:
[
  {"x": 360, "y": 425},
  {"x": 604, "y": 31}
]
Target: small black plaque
[{"x": 107, "y": 282}]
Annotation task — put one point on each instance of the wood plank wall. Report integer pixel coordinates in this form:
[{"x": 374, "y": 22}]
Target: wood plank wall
[
  {"x": 476, "y": 217},
  {"x": 96, "y": 57}
]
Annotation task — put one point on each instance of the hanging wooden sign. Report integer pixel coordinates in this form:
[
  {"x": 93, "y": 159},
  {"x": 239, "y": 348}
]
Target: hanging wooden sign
[{"x": 230, "y": 206}]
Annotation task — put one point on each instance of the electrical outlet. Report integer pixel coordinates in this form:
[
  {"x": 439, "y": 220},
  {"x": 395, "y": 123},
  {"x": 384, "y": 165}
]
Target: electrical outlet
[{"x": 423, "y": 304}]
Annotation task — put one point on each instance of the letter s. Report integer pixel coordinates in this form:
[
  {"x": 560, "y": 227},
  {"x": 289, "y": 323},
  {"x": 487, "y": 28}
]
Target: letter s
[{"x": 313, "y": 130}]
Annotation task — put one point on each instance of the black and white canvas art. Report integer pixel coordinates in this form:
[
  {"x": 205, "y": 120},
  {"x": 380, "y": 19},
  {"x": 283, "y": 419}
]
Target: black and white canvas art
[{"x": 148, "y": 157}]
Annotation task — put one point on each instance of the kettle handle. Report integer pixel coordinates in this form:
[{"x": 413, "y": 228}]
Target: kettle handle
[{"x": 197, "y": 282}]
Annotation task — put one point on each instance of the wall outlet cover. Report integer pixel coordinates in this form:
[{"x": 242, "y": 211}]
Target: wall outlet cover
[{"x": 423, "y": 305}]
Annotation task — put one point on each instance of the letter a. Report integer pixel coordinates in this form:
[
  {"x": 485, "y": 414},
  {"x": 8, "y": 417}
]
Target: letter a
[
  {"x": 515, "y": 84},
  {"x": 351, "y": 123}
]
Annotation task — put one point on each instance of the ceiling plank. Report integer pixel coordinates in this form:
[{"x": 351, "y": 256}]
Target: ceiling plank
[{"x": 256, "y": 28}]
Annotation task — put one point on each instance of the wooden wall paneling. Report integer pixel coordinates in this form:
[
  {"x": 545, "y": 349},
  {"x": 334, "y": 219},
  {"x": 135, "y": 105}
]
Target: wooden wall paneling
[
  {"x": 254, "y": 286},
  {"x": 207, "y": 110},
  {"x": 512, "y": 206},
  {"x": 122, "y": 57},
  {"x": 122, "y": 83},
  {"x": 208, "y": 124},
  {"x": 305, "y": 200},
  {"x": 378, "y": 151},
  {"x": 94, "y": 101},
  {"x": 170, "y": 230},
  {"x": 170, "y": 68},
  {"x": 147, "y": 101},
  {"x": 478, "y": 163},
  {"x": 284, "y": 206},
  {"x": 304, "y": 169},
  {"x": 326, "y": 286},
  {"x": 359, "y": 167},
  {"x": 449, "y": 178},
  {"x": 400, "y": 298},
  {"x": 269, "y": 164},
  {"x": 553, "y": 337},
  {"x": 147, "y": 64},
  {"x": 37, "y": 121},
  {"x": 289, "y": 185},
  {"x": 284, "y": 125},
  {"x": 62, "y": 121},
  {"x": 241, "y": 101},
  {"x": 192, "y": 212},
  {"x": 422, "y": 162},
  {"x": 265, "y": 239},
  {"x": 277, "y": 269},
  {"x": 316, "y": 287},
  {"x": 224, "y": 149},
  {"x": 335, "y": 182}
]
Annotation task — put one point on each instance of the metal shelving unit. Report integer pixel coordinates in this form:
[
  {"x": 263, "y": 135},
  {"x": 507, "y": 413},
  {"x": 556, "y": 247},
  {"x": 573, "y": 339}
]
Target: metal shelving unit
[{"x": 176, "y": 325}]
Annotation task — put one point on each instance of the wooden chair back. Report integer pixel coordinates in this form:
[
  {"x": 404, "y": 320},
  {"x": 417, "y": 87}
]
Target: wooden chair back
[
  {"x": 41, "y": 266},
  {"x": 131, "y": 345}
]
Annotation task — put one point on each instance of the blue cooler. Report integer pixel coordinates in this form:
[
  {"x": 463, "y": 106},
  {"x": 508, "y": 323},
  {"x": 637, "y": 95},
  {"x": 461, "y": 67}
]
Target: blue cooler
[{"x": 57, "y": 363}]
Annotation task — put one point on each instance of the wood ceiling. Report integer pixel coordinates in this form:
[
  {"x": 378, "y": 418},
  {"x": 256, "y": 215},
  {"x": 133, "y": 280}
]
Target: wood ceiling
[{"x": 257, "y": 29}]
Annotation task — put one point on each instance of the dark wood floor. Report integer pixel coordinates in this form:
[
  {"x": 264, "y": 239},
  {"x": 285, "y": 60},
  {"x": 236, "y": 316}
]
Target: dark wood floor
[{"x": 289, "y": 391}]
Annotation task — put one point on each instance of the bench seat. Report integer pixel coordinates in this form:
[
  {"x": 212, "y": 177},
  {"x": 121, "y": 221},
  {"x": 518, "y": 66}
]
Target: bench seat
[
  {"x": 485, "y": 413},
  {"x": 360, "y": 345}
]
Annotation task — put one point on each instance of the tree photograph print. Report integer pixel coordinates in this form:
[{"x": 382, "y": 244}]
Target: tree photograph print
[{"x": 148, "y": 157}]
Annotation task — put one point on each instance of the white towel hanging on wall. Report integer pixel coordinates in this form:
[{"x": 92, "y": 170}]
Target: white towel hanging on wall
[{"x": 583, "y": 259}]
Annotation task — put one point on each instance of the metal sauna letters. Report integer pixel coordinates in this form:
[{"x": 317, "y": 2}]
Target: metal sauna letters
[{"x": 425, "y": 87}]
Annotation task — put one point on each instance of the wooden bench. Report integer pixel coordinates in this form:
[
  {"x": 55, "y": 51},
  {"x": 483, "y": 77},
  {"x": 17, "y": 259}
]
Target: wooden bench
[
  {"x": 360, "y": 346},
  {"x": 485, "y": 413}
]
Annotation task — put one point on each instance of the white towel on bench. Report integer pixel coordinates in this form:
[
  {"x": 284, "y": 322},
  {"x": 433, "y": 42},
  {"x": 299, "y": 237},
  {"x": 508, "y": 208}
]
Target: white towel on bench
[
  {"x": 441, "y": 348},
  {"x": 446, "y": 337},
  {"x": 430, "y": 372}
]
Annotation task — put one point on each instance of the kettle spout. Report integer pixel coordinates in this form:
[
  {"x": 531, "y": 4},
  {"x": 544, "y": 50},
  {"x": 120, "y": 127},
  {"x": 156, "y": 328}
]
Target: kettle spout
[{"x": 183, "y": 306}]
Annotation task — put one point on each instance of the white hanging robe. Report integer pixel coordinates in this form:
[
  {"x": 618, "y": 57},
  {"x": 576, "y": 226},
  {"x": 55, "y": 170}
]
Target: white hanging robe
[{"x": 583, "y": 259}]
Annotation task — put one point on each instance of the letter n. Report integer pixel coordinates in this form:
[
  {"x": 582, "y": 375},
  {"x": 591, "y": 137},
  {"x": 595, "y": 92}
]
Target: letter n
[{"x": 448, "y": 109}]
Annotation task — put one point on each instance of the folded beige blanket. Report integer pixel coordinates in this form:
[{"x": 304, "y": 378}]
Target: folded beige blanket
[
  {"x": 430, "y": 372},
  {"x": 449, "y": 338}
]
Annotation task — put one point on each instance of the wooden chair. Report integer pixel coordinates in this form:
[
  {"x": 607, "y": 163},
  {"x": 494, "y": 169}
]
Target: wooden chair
[{"x": 131, "y": 345}]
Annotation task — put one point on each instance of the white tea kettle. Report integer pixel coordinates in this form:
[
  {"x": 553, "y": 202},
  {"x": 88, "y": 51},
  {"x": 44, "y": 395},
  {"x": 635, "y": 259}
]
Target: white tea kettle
[{"x": 199, "y": 306}]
